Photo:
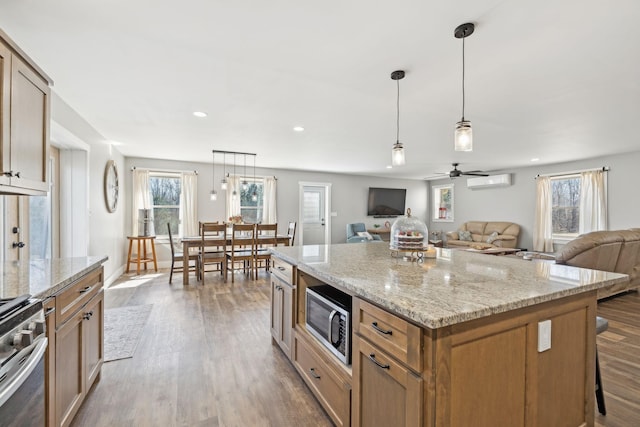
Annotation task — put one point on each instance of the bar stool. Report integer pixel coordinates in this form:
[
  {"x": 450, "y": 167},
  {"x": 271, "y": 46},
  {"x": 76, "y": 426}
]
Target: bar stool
[
  {"x": 602, "y": 325},
  {"x": 141, "y": 257}
]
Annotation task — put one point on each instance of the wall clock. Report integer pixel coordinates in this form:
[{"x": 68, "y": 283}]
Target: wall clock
[{"x": 111, "y": 186}]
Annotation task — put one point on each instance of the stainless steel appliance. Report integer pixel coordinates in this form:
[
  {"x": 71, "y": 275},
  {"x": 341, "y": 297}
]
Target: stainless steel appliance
[
  {"x": 329, "y": 319},
  {"x": 23, "y": 343}
]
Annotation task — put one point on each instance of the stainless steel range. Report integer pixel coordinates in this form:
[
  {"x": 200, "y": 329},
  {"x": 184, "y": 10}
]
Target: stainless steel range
[{"x": 23, "y": 343}]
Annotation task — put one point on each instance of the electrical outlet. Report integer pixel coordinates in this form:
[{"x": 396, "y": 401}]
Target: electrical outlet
[{"x": 544, "y": 335}]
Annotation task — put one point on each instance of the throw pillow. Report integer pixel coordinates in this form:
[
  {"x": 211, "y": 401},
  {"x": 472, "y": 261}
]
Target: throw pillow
[
  {"x": 464, "y": 235},
  {"x": 365, "y": 234},
  {"x": 493, "y": 236}
]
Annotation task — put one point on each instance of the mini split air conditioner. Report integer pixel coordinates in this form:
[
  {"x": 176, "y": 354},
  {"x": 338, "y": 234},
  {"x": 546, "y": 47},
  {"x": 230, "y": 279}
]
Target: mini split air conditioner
[{"x": 489, "y": 181}]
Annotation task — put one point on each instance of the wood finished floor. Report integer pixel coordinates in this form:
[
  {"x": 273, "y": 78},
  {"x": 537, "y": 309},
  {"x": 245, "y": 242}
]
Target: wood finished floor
[{"x": 206, "y": 359}]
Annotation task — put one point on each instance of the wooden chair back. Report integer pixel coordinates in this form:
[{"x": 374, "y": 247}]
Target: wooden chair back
[
  {"x": 266, "y": 235},
  {"x": 291, "y": 232}
]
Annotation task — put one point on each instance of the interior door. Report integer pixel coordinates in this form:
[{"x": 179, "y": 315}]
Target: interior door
[{"x": 314, "y": 214}]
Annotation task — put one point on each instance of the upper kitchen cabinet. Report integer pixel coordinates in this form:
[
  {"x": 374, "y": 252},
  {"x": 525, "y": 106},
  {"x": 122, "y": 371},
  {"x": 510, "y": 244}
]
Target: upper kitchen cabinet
[{"x": 24, "y": 122}]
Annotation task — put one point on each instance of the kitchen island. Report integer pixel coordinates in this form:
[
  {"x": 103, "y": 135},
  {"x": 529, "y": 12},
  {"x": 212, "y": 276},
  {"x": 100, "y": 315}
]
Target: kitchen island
[
  {"x": 451, "y": 341},
  {"x": 73, "y": 299}
]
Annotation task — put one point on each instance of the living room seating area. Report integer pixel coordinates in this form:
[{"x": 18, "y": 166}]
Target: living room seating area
[{"x": 484, "y": 235}]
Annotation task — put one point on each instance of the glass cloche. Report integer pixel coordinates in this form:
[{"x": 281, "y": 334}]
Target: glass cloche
[{"x": 408, "y": 233}]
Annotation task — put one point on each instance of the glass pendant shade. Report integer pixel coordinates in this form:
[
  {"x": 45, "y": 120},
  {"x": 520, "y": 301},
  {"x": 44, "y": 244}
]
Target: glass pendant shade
[
  {"x": 254, "y": 197},
  {"x": 397, "y": 154},
  {"x": 463, "y": 137},
  {"x": 234, "y": 194},
  {"x": 223, "y": 183},
  {"x": 245, "y": 185},
  {"x": 213, "y": 195}
]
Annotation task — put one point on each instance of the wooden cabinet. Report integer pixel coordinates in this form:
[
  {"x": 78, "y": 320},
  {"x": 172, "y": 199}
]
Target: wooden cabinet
[
  {"x": 387, "y": 367},
  {"x": 283, "y": 294},
  {"x": 74, "y": 361},
  {"x": 328, "y": 384},
  {"x": 282, "y": 314},
  {"x": 24, "y": 123}
]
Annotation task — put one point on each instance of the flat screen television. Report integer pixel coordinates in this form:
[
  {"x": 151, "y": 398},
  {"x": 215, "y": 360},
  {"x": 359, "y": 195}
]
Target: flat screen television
[{"x": 386, "y": 201}]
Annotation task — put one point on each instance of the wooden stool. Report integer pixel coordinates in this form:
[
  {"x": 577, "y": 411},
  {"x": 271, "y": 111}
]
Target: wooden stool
[{"x": 144, "y": 259}]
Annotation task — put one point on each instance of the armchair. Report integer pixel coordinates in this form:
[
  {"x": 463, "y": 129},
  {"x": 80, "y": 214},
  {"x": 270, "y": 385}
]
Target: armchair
[{"x": 358, "y": 227}]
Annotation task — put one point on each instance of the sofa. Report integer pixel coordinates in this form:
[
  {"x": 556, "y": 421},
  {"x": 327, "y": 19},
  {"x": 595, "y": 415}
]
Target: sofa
[
  {"x": 357, "y": 233},
  {"x": 485, "y": 234},
  {"x": 616, "y": 251}
]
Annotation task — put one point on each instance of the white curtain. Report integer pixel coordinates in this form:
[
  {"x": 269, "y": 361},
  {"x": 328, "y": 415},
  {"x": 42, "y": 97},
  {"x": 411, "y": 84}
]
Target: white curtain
[
  {"x": 542, "y": 227},
  {"x": 141, "y": 197},
  {"x": 593, "y": 201},
  {"x": 189, "y": 203},
  {"x": 233, "y": 203},
  {"x": 269, "y": 210}
]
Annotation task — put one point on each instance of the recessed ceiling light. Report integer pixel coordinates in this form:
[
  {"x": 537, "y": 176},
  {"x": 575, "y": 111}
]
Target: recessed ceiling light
[
  {"x": 298, "y": 128},
  {"x": 200, "y": 114},
  {"x": 535, "y": 159},
  {"x": 389, "y": 167}
]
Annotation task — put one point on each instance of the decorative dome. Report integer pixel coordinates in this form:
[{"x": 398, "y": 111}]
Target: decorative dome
[{"x": 408, "y": 233}]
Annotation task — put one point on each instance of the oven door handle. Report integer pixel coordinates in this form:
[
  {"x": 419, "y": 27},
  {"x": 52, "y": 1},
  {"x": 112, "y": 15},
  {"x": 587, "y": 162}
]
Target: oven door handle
[{"x": 25, "y": 370}]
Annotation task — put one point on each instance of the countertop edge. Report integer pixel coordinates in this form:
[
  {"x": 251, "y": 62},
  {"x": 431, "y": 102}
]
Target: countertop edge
[{"x": 60, "y": 286}]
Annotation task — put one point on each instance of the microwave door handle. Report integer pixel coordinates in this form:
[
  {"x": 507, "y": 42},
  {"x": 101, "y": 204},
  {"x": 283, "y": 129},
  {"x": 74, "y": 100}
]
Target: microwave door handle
[{"x": 333, "y": 314}]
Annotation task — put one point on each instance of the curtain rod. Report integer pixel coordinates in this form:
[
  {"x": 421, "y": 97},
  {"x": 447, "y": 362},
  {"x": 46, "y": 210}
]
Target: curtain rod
[
  {"x": 162, "y": 170},
  {"x": 603, "y": 169}
]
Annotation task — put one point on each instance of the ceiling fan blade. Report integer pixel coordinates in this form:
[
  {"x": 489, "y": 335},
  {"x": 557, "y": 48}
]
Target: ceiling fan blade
[{"x": 475, "y": 174}]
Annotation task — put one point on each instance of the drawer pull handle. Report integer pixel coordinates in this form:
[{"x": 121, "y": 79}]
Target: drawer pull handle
[
  {"x": 281, "y": 268},
  {"x": 49, "y": 310},
  {"x": 372, "y": 357},
  {"x": 312, "y": 371},
  {"x": 382, "y": 331},
  {"x": 86, "y": 289}
]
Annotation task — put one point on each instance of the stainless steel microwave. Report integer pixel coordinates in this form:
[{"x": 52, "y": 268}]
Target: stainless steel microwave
[{"x": 329, "y": 319}]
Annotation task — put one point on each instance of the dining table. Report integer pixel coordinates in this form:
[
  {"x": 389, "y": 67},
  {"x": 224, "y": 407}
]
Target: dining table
[{"x": 196, "y": 242}]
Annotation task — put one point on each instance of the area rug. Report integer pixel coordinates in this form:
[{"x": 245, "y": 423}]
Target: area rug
[{"x": 122, "y": 330}]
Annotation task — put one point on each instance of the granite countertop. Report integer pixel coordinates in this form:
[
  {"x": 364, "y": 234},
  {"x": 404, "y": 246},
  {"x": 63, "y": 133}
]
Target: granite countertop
[
  {"x": 455, "y": 287},
  {"x": 43, "y": 277}
]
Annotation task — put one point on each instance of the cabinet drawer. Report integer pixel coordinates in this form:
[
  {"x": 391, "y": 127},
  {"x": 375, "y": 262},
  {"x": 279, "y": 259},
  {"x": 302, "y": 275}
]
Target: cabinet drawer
[
  {"x": 390, "y": 333},
  {"x": 333, "y": 393},
  {"x": 70, "y": 300},
  {"x": 282, "y": 269}
]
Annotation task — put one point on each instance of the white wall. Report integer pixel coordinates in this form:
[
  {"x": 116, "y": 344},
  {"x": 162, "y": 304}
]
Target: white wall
[
  {"x": 348, "y": 195},
  {"x": 106, "y": 230},
  {"x": 516, "y": 203}
]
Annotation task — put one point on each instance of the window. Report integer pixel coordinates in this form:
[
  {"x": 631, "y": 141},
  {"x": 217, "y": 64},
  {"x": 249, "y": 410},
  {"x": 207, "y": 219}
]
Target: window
[
  {"x": 165, "y": 197},
  {"x": 565, "y": 205},
  {"x": 251, "y": 210},
  {"x": 313, "y": 210},
  {"x": 442, "y": 206}
]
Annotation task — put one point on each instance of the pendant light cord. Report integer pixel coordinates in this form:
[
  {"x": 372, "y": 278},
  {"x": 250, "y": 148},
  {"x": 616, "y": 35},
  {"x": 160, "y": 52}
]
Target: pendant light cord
[
  {"x": 463, "y": 78},
  {"x": 398, "y": 115}
]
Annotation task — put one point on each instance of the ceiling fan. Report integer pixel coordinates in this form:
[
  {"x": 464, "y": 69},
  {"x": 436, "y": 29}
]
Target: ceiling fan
[{"x": 457, "y": 172}]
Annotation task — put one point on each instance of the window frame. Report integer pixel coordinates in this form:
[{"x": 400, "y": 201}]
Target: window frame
[
  {"x": 173, "y": 175},
  {"x": 564, "y": 237},
  {"x": 436, "y": 201},
  {"x": 258, "y": 208}
]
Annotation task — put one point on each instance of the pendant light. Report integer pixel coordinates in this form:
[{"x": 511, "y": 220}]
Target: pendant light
[
  {"x": 463, "y": 136},
  {"x": 397, "y": 153},
  {"x": 214, "y": 194},
  {"x": 254, "y": 195},
  {"x": 235, "y": 193},
  {"x": 245, "y": 184},
  {"x": 223, "y": 183}
]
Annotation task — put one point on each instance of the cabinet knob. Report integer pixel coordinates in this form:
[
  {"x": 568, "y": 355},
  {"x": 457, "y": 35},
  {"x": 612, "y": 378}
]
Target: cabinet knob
[{"x": 18, "y": 245}]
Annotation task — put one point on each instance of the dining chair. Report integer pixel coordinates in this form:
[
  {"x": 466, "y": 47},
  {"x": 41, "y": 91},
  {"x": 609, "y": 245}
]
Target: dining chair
[
  {"x": 213, "y": 248},
  {"x": 177, "y": 256},
  {"x": 242, "y": 248},
  {"x": 291, "y": 232},
  {"x": 266, "y": 237}
]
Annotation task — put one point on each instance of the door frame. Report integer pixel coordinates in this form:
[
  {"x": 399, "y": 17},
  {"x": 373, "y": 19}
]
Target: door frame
[{"x": 327, "y": 208}]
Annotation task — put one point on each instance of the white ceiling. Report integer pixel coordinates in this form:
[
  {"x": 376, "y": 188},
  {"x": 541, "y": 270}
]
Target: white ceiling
[{"x": 554, "y": 80}]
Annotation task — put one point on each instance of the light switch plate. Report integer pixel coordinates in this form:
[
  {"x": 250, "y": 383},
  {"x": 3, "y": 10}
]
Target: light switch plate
[{"x": 544, "y": 335}]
